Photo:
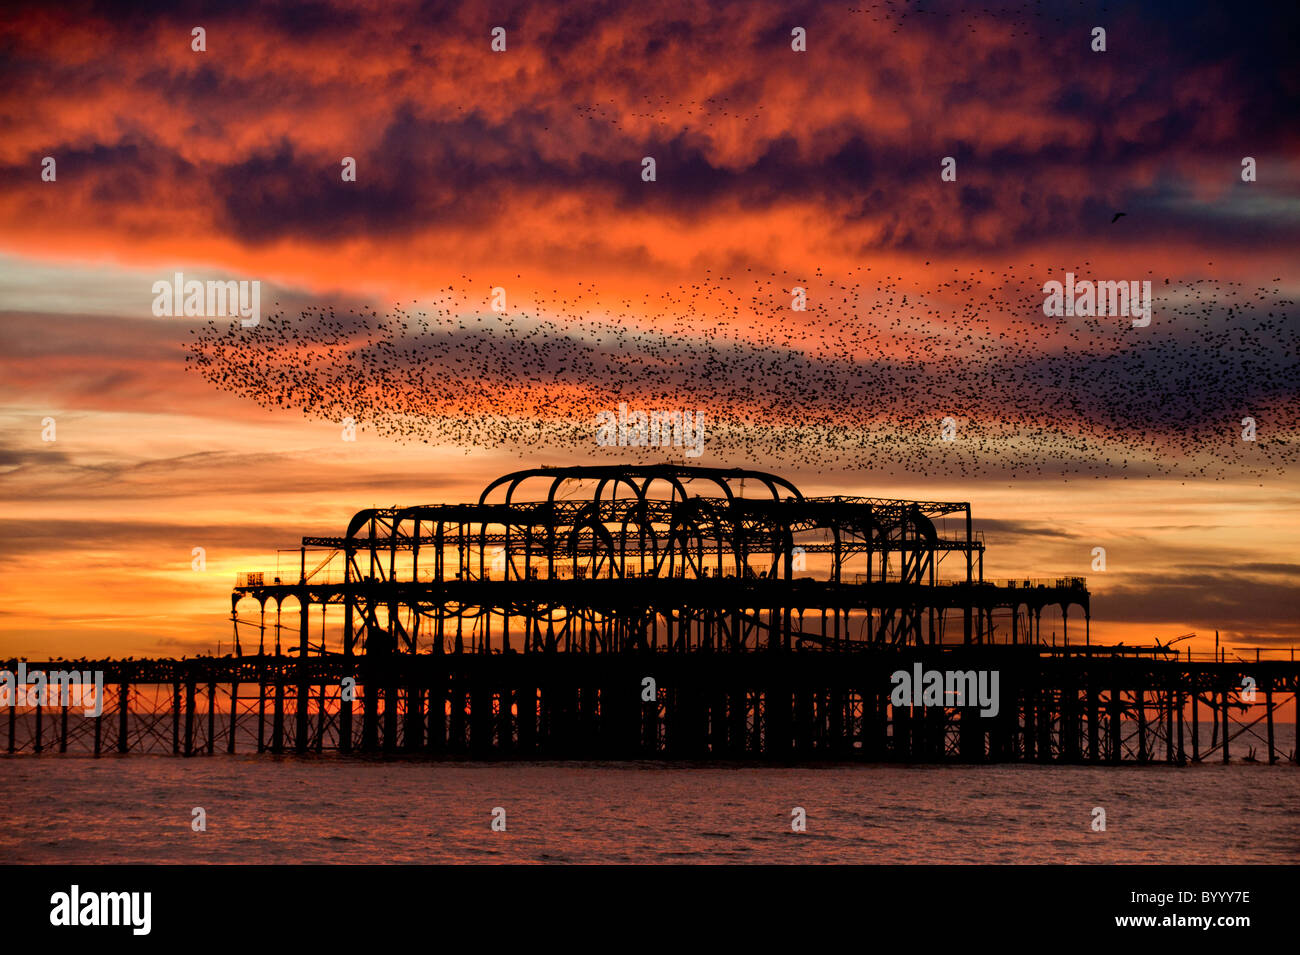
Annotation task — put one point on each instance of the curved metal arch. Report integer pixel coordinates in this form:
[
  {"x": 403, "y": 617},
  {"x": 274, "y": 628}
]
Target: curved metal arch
[
  {"x": 362, "y": 517},
  {"x": 590, "y": 520},
  {"x": 640, "y": 518},
  {"x": 719, "y": 476},
  {"x": 682, "y": 527},
  {"x": 617, "y": 479},
  {"x": 671, "y": 479},
  {"x": 922, "y": 524}
]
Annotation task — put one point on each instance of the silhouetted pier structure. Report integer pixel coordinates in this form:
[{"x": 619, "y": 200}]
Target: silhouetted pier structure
[{"x": 623, "y": 614}]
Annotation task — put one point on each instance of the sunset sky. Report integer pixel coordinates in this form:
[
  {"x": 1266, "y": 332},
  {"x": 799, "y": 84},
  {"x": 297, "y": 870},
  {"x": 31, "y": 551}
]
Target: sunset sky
[{"x": 523, "y": 170}]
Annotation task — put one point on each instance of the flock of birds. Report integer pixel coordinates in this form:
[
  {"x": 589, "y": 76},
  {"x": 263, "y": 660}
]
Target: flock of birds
[
  {"x": 947, "y": 371},
  {"x": 863, "y": 379}
]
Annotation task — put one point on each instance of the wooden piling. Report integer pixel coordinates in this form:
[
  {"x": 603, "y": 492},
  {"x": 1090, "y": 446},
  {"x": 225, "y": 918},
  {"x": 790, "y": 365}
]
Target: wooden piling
[
  {"x": 322, "y": 718},
  {"x": 1094, "y": 727},
  {"x": 370, "y": 712},
  {"x": 301, "y": 714},
  {"x": 261, "y": 710},
  {"x": 176, "y": 718},
  {"x": 123, "y": 711},
  {"x": 803, "y": 719},
  {"x": 1139, "y": 704},
  {"x": 390, "y": 715},
  {"x": 1268, "y": 706},
  {"x": 1029, "y": 747},
  {"x": 902, "y": 732},
  {"x": 1044, "y": 724},
  {"x": 737, "y": 726},
  {"x": 1115, "y": 707},
  {"x": 234, "y": 715},
  {"x": 437, "y": 710},
  {"x": 212, "y": 717},
  {"x": 456, "y": 730},
  {"x": 302, "y": 696},
  {"x": 347, "y": 694},
  {"x": 1169, "y": 724},
  {"x": 277, "y": 714},
  {"x": 413, "y": 731},
  {"x": 1226, "y": 757},
  {"x": 1182, "y": 752},
  {"x": 1069, "y": 723},
  {"x": 189, "y": 717}
]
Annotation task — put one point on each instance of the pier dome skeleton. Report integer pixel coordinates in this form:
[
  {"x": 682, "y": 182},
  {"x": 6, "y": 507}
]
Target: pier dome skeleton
[
  {"x": 609, "y": 558},
  {"x": 583, "y": 578}
]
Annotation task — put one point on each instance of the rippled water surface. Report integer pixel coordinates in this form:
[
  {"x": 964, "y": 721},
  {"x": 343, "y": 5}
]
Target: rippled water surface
[{"x": 284, "y": 809}]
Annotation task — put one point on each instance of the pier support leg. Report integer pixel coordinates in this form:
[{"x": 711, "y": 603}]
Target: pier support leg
[
  {"x": 346, "y": 697},
  {"x": 261, "y": 713},
  {"x": 123, "y": 714},
  {"x": 437, "y": 709},
  {"x": 1182, "y": 752},
  {"x": 902, "y": 733},
  {"x": 1139, "y": 704},
  {"x": 321, "y": 719},
  {"x": 1070, "y": 722},
  {"x": 970, "y": 736},
  {"x": 480, "y": 715},
  {"x": 302, "y": 699},
  {"x": 234, "y": 712},
  {"x": 370, "y": 713},
  {"x": 1094, "y": 726},
  {"x": 413, "y": 732},
  {"x": 1115, "y": 708},
  {"x": 301, "y": 714},
  {"x": 212, "y": 717},
  {"x": 1226, "y": 757},
  {"x": 1169, "y": 725},
  {"x": 277, "y": 716},
  {"x": 1268, "y": 704},
  {"x": 456, "y": 730},
  {"x": 1044, "y": 722},
  {"x": 1030, "y": 737},
  {"x": 737, "y": 707},
  {"x": 526, "y": 717},
  {"x": 1196, "y": 725},
  {"x": 189, "y": 717},
  {"x": 176, "y": 718}
]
